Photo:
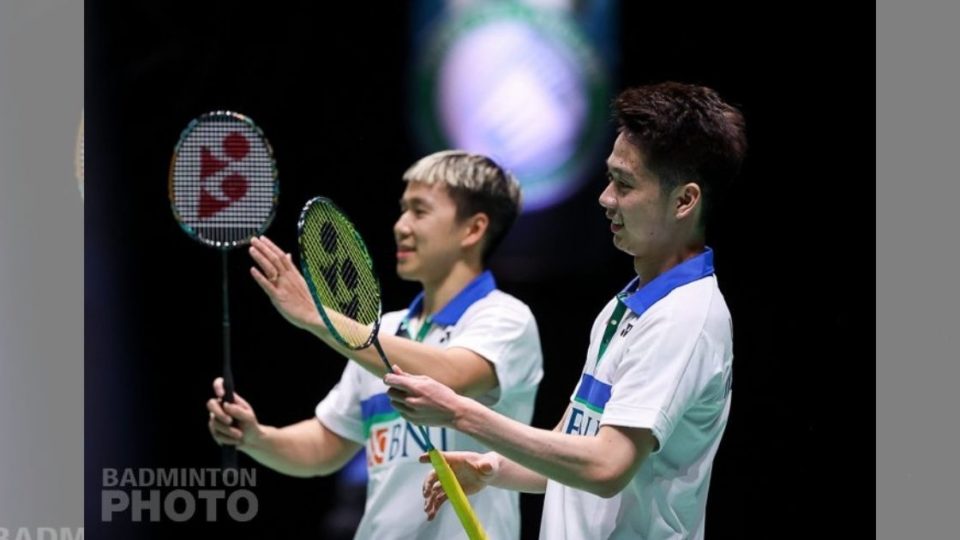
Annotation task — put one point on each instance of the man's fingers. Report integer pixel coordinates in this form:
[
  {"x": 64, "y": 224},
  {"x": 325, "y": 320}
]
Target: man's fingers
[
  {"x": 221, "y": 440},
  {"x": 403, "y": 408},
  {"x": 242, "y": 414},
  {"x": 397, "y": 393},
  {"x": 227, "y": 432},
  {"x": 434, "y": 505},
  {"x": 261, "y": 280},
  {"x": 270, "y": 246},
  {"x": 400, "y": 382},
  {"x": 400, "y": 400},
  {"x": 277, "y": 256},
  {"x": 265, "y": 261},
  {"x": 240, "y": 401},
  {"x": 217, "y": 412},
  {"x": 429, "y": 480}
]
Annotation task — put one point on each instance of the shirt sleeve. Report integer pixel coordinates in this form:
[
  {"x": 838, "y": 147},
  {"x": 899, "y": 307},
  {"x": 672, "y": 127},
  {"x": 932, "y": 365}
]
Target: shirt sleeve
[
  {"x": 340, "y": 410},
  {"x": 506, "y": 335}
]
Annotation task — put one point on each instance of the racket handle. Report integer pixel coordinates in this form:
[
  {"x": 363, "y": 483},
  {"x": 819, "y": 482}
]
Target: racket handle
[
  {"x": 456, "y": 496},
  {"x": 228, "y": 454},
  {"x": 228, "y": 457}
]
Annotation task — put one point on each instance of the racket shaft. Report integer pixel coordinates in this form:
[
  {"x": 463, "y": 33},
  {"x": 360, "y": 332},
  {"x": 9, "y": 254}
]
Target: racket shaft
[
  {"x": 456, "y": 496},
  {"x": 228, "y": 454},
  {"x": 383, "y": 355}
]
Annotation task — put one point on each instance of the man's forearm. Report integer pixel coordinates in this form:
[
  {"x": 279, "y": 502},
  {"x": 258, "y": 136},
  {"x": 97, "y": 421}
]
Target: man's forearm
[
  {"x": 597, "y": 465},
  {"x": 412, "y": 357},
  {"x": 298, "y": 450},
  {"x": 513, "y": 476}
]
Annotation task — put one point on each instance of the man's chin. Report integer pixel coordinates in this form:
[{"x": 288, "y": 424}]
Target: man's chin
[
  {"x": 405, "y": 274},
  {"x": 623, "y": 248}
]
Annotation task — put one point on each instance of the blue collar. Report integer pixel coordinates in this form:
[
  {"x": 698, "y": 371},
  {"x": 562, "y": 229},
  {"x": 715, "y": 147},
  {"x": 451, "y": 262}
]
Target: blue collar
[
  {"x": 686, "y": 272},
  {"x": 480, "y": 287}
]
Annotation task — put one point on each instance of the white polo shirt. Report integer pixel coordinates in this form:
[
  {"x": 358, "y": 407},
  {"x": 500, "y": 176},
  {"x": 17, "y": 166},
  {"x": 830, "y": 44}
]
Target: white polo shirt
[
  {"x": 486, "y": 321},
  {"x": 667, "y": 367}
]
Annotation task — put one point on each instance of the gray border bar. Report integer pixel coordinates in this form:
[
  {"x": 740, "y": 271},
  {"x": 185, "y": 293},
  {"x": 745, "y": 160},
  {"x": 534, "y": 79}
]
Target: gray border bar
[
  {"x": 918, "y": 120},
  {"x": 41, "y": 268}
]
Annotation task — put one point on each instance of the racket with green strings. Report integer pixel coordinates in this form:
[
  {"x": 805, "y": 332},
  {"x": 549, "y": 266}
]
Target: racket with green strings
[{"x": 339, "y": 272}]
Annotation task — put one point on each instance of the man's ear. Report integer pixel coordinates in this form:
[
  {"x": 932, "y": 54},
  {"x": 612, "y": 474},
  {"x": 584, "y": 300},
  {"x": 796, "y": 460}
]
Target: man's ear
[
  {"x": 688, "y": 198},
  {"x": 474, "y": 228}
]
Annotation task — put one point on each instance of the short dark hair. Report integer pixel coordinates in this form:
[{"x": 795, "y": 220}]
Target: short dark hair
[
  {"x": 686, "y": 133},
  {"x": 476, "y": 183}
]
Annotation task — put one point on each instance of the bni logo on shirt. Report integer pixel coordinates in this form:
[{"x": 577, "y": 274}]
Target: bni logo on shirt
[{"x": 390, "y": 437}]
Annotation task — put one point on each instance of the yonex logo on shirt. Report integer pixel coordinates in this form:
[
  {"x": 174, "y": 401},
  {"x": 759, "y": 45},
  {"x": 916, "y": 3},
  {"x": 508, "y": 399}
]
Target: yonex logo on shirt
[{"x": 445, "y": 337}]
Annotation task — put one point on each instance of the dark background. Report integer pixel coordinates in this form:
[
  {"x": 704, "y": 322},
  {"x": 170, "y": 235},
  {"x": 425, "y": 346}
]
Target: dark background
[{"x": 794, "y": 252}]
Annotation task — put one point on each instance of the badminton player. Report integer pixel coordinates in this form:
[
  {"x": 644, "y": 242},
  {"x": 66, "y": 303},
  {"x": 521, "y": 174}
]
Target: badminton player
[
  {"x": 461, "y": 330},
  {"x": 632, "y": 454}
]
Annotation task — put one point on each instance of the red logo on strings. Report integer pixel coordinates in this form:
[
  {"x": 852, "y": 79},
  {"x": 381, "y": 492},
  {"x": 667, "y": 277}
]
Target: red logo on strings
[{"x": 234, "y": 186}]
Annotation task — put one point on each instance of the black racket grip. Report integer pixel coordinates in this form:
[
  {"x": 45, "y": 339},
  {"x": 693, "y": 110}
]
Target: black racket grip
[
  {"x": 228, "y": 454},
  {"x": 228, "y": 457}
]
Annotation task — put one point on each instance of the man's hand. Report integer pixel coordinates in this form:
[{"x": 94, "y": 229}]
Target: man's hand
[
  {"x": 281, "y": 280},
  {"x": 233, "y": 424},
  {"x": 422, "y": 400},
  {"x": 474, "y": 472}
]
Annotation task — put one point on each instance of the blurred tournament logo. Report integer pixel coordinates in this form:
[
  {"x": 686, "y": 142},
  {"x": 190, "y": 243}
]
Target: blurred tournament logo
[{"x": 521, "y": 84}]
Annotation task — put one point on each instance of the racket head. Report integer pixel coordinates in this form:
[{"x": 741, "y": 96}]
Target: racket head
[
  {"x": 223, "y": 182},
  {"x": 339, "y": 273}
]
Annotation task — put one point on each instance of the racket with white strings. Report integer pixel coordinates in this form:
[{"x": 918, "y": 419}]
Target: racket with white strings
[
  {"x": 340, "y": 275},
  {"x": 223, "y": 188}
]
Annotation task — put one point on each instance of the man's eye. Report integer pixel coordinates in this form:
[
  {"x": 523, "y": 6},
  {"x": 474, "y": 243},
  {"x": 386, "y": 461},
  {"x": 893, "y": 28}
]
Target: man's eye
[{"x": 618, "y": 183}]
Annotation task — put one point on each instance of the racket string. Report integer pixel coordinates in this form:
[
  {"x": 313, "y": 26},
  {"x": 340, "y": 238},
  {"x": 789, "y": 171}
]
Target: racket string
[
  {"x": 342, "y": 274},
  {"x": 224, "y": 185}
]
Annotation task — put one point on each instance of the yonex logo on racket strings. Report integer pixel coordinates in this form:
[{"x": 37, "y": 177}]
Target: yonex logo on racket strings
[
  {"x": 235, "y": 148},
  {"x": 223, "y": 184},
  {"x": 341, "y": 275}
]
